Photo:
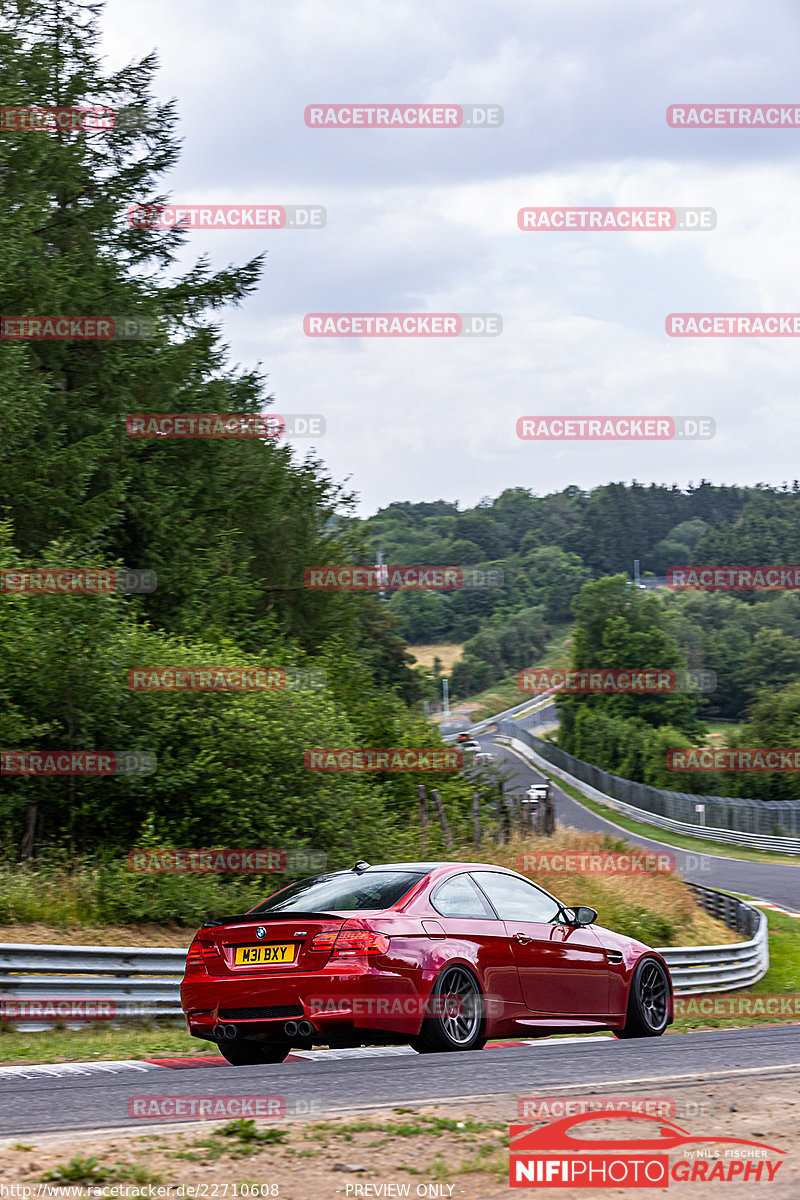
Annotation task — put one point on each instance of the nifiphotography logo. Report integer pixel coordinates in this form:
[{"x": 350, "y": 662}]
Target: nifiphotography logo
[{"x": 554, "y": 1157}]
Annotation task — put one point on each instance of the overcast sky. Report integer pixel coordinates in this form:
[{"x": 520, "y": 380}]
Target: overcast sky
[{"x": 425, "y": 221}]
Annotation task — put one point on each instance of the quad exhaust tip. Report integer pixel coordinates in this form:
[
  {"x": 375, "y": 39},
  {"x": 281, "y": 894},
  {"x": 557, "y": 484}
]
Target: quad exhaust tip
[
  {"x": 302, "y": 1029},
  {"x": 292, "y": 1029},
  {"x": 221, "y": 1032}
]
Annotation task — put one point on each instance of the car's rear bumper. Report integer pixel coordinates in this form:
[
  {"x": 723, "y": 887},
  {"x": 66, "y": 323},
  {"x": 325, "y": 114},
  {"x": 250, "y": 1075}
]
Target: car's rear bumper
[{"x": 336, "y": 1001}]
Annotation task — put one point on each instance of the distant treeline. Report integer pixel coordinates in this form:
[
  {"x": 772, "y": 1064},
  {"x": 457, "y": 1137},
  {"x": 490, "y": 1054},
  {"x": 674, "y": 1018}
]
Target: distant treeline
[{"x": 548, "y": 547}]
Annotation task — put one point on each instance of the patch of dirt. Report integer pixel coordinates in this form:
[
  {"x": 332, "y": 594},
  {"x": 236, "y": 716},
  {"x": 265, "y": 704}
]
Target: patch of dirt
[
  {"x": 174, "y": 936},
  {"x": 453, "y": 1151}
]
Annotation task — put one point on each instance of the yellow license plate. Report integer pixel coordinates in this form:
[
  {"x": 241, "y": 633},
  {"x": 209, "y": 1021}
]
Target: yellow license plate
[{"x": 249, "y": 956}]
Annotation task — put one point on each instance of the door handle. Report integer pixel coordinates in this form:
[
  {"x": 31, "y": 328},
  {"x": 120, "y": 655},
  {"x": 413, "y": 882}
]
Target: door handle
[{"x": 522, "y": 938}]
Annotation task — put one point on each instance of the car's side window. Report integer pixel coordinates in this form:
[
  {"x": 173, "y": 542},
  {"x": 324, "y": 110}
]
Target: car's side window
[
  {"x": 516, "y": 899},
  {"x": 460, "y": 897}
]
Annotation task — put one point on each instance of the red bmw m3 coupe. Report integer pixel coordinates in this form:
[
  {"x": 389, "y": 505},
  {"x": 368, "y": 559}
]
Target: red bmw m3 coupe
[{"x": 439, "y": 955}]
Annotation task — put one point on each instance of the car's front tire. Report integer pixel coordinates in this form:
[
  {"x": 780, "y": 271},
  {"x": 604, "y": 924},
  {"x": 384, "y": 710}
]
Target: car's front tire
[
  {"x": 248, "y": 1054},
  {"x": 456, "y": 1018},
  {"x": 648, "y": 1001}
]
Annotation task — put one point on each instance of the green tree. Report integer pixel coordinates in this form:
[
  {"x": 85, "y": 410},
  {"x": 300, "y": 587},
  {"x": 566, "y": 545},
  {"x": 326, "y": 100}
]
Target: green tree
[
  {"x": 620, "y": 628},
  {"x": 555, "y": 578}
]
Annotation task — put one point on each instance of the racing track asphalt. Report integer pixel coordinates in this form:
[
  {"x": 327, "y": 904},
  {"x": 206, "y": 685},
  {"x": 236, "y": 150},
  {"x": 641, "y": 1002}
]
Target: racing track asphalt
[
  {"x": 324, "y": 1089},
  {"x": 775, "y": 882}
]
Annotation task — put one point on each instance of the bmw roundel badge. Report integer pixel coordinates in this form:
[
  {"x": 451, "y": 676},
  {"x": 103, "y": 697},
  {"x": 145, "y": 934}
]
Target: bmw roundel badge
[{"x": 261, "y": 932}]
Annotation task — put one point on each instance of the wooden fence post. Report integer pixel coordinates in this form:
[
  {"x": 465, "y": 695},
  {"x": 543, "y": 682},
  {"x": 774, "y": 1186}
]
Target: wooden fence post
[
  {"x": 28, "y": 839},
  {"x": 437, "y": 800},
  {"x": 548, "y": 815}
]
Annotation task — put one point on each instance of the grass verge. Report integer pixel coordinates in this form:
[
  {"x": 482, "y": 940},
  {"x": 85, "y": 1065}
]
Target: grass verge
[
  {"x": 95, "y": 1043},
  {"x": 782, "y": 978}
]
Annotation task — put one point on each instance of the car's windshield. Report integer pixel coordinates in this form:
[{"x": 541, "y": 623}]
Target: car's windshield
[{"x": 375, "y": 890}]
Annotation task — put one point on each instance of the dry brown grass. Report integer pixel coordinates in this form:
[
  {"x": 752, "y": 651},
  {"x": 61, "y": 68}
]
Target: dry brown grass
[
  {"x": 656, "y": 908},
  {"x": 40, "y": 934},
  {"x": 448, "y": 652}
]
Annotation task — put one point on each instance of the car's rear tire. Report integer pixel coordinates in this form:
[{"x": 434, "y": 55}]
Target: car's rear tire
[
  {"x": 648, "y": 1001},
  {"x": 248, "y": 1054},
  {"x": 457, "y": 1021}
]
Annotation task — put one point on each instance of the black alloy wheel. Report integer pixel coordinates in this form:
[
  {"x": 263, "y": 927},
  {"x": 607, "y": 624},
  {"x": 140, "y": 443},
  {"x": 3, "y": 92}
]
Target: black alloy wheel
[
  {"x": 456, "y": 1014},
  {"x": 648, "y": 1002}
]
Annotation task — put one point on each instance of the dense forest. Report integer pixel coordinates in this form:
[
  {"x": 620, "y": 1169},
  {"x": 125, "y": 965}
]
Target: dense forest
[
  {"x": 546, "y": 548},
  {"x": 228, "y": 526},
  {"x": 568, "y": 558}
]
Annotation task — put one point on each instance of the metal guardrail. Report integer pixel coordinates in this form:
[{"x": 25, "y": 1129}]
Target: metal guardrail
[
  {"x": 721, "y": 968},
  {"x": 137, "y": 983},
  {"x": 141, "y": 983},
  {"x": 608, "y": 787},
  {"x": 507, "y": 714},
  {"x": 91, "y": 960}
]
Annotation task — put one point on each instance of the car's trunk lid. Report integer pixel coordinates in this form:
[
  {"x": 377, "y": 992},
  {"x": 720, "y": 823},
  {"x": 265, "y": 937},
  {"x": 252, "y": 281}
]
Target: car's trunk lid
[{"x": 263, "y": 943}]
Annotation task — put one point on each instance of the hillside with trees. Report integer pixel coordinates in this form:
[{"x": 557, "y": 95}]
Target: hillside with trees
[
  {"x": 568, "y": 557},
  {"x": 228, "y": 526}
]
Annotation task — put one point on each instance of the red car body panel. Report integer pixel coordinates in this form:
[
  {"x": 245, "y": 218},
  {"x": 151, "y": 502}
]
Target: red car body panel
[{"x": 535, "y": 977}]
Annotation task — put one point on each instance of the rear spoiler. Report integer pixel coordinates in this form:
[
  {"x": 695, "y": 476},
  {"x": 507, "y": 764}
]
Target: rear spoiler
[{"x": 255, "y": 918}]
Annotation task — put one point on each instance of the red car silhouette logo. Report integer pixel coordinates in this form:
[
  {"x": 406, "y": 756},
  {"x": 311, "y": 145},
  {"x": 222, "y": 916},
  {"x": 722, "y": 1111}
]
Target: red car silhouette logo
[{"x": 557, "y": 1136}]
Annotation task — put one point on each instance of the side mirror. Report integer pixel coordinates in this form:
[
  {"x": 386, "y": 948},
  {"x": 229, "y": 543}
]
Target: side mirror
[{"x": 585, "y": 915}]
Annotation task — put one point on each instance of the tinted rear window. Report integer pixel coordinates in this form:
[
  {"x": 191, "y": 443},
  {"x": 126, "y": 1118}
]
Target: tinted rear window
[{"x": 374, "y": 890}]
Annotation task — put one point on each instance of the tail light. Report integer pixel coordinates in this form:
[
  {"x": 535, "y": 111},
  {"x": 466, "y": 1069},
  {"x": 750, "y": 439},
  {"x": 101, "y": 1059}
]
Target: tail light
[
  {"x": 351, "y": 942},
  {"x": 194, "y": 955},
  {"x": 202, "y": 954}
]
